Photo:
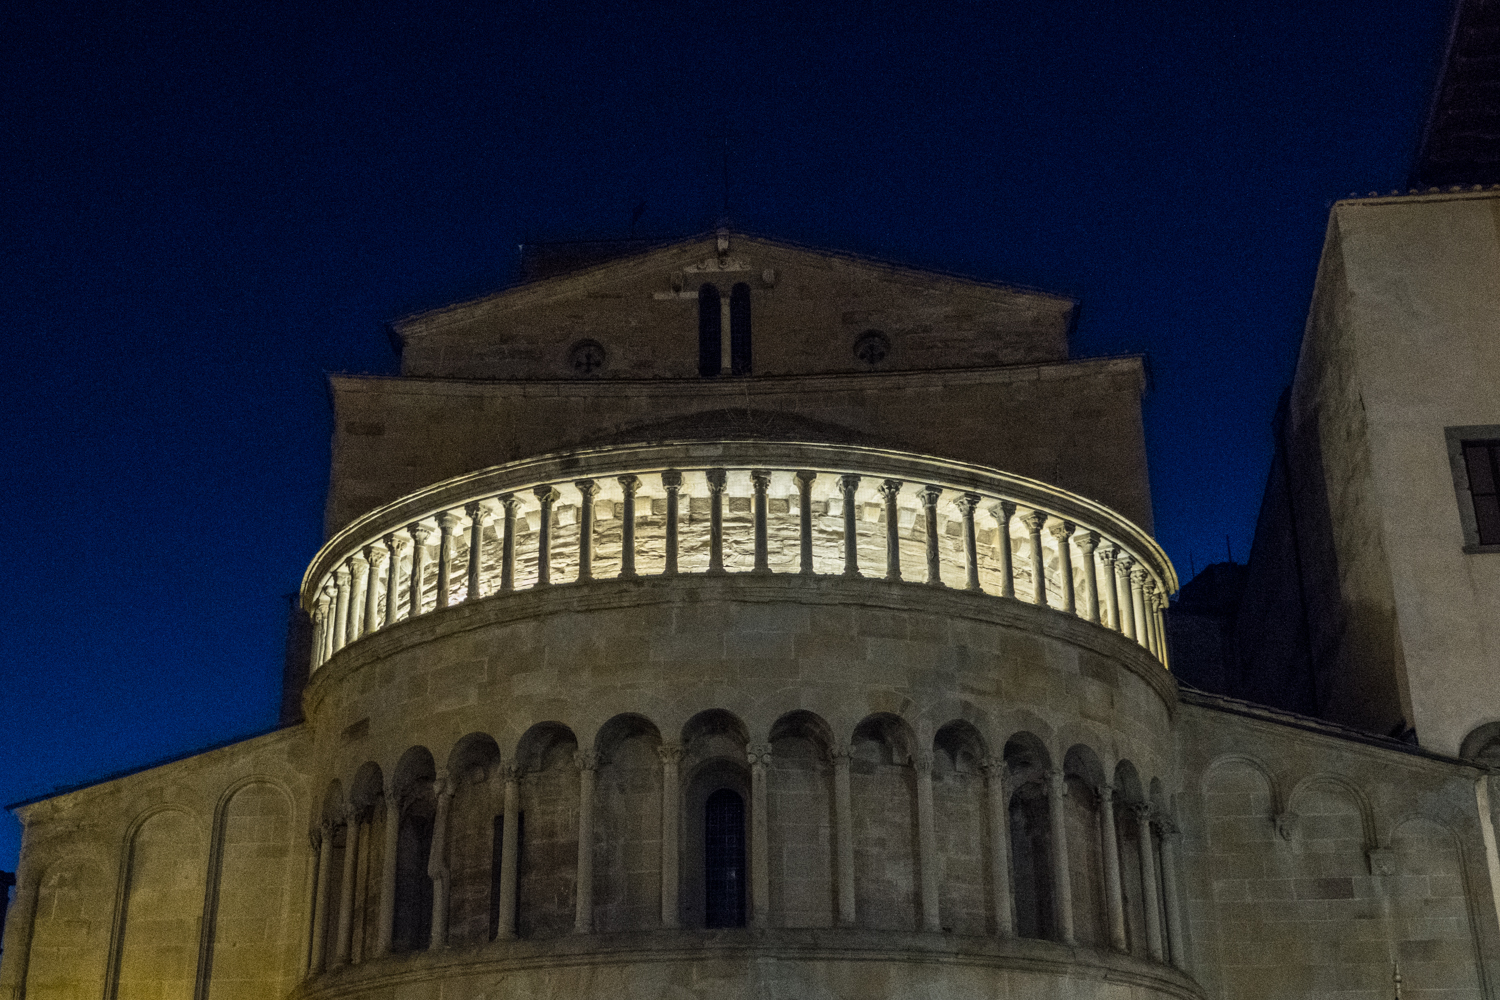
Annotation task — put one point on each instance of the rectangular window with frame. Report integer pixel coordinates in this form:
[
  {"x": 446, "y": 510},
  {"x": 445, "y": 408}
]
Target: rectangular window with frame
[{"x": 1482, "y": 464}]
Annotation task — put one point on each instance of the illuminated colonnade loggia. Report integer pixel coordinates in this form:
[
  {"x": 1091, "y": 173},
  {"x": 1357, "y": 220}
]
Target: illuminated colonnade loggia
[{"x": 737, "y": 507}]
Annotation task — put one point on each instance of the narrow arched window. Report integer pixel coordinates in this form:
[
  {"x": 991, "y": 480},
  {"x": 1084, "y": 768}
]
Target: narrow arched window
[
  {"x": 724, "y": 859},
  {"x": 710, "y": 330},
  {"x": 739, "y": 329}
]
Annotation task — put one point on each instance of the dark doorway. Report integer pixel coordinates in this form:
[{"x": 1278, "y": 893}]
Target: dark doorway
[
  {"x": 739, "y": 329},
  {"x": 724, "y": 859}
]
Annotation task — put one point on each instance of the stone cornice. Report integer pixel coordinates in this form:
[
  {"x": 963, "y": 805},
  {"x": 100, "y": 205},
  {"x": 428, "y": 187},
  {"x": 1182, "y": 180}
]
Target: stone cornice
[{"x": 601, "y": 595}]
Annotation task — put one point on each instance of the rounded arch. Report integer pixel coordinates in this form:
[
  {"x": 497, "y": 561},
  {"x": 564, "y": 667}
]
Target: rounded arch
[
  {"x": 713, "y": 722},
  {"x": 476, "y": 751},
  {"x": 806, "y": 725},
  {"x": 623, "y": 727},
  {"x": 963, "y": 746},
  {"x": 1340, "y": 784},
  {"x": 1026, "y": 757},
  {"x": 331, "y": 810},
  {"x": 1128, "y": 787},
  {"x": 367, "y": 786},
  {"x": 542, "y": 741},
  {"x": 890, "y": 731},
  {"x": 1273, "y": 787},
  {"x": 1082, "y": 763},
  {"x": 1482, "y": 744},
  {"x": 415, "y": 766}
]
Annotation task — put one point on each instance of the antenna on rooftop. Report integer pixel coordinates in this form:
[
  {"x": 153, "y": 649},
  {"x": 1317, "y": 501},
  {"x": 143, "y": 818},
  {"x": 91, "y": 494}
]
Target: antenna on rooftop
[{"x": 724, "y": 137}]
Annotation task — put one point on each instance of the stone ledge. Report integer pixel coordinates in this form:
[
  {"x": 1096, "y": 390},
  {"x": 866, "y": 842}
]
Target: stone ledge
[
  {"x": 600, "y": 595},
  {"x": 836, "y": 945}
]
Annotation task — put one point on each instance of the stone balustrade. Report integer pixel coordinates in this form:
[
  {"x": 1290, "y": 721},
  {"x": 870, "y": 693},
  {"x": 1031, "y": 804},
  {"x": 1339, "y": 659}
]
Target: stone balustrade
[{"x": 737, "y": 507}]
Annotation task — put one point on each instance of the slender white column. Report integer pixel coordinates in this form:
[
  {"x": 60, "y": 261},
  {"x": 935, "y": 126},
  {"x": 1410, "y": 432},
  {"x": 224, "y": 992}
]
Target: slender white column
[
  {"x": 359, "y": 579},
  {"x": 890, "y": 489},
  {"x": 478, "y": 513},
  {"x": 587, "y": 491},
  {"x": 717, "y": 481},
  {"x": 760, "y": 839},
  {"x": 1138, "y": 605},
  {"x": 510, "y": 853},
  {"x": 437, "y": 863},
  {"x": 1110, "y": 614},
  {"x": 929, "y": 496},
  {"x": 927, "y": 850},
  {"x": 966, "y": 505},
  {"x": 320, "y": 898},
  {"x": 387, "y": 927},
  {"x": 1153, "y": 632},
  {"x": 998, "y": 795},
  {"x": 341, "y": 608},
  {"x": 547, "y": 496},
  {"x": 1062, "y": 876},
  {"x": 447, "y": 521},
  {"x": 342, "y": 940},
  {"x": 1163, "y": 651},
  {"x": 671, "y": 756},
  {"x": 324, "y": 639},
  {"x": 375, "y": 556},
  {"x": 804, "y": 480},
  {"x": 843, "y": 821},
  {"x": 393, "y": 547},
  {"x": 1149, "y": 894},
  {"x": 508, "y": 504},
  {"x": 761, "y": 480},
  {"x": 849, "y": 486},
  {"x": 419, "y": 535},
  {"x": 1114, "y": 897},
  {"x": 671, "y": 481},
  {"x": 1002, "y": 512},
  {"x": 629, "y": 484},
  {"x": 1034, "y": 522},
  {"x": 1176, "y": 940},
  {"x": 583, "y": 919},
  {"x": 1087, "y": 543},
  {"x": 1062, "y": 531},
  {"x": 1123, "y": 566}
]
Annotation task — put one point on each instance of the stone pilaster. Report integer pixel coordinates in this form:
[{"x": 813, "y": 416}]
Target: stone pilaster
[
  {"x": 510, "y": 852},
  {"x": 1062, "y": 877},
  {"x": 324, "y": 836},
  {"x": 1150, "y": 896},
  {"x": 588, "y": 765},
  {"x": 437, "y": 862},
  {"x": 759, "y": 757},
  {"x": 997, "y": 795},
  {"x": 1114, "y": 898},
  {"x": 671, "y": 758},
  {"x": 843, "y": 821},
  {"x": 927, "y": 849}
]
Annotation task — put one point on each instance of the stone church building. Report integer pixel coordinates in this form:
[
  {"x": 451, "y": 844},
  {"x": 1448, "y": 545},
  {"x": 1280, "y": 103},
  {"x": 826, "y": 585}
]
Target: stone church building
[{"x": 728, "y": 619}]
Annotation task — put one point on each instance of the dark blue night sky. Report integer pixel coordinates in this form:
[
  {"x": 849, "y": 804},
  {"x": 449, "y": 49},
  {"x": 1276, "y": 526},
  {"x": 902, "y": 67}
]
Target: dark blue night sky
[{"x": 206, "y": 211}]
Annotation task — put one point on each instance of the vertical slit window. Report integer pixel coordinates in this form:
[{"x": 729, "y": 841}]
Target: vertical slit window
[
  {"x": 710, "y": 330},
  {"x": 739, "y": 329},
  {"x": 1482, "y": 460},
  {"x": 724, "y": 859}
]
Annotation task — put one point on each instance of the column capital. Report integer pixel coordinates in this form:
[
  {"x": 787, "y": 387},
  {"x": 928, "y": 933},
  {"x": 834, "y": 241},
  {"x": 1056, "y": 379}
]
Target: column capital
[
  {"x": 1062, "y": 529},
  {"x": 1138, "y": 575},
  {"x": 448, "y": 520},
  {"x": 923, "y": 760},
  {"x": 586, "y": 760},
  {"x": 890, "y": 488},
  {"x": 848, "y": 483},
  {"x": 511, "y": 771},
  {"x": 718, "y": 480},
  {"x": 419, "y": 532},
  {"x": 761, "y": 478},
  {"x": 1106, "y": 792},
  {"x": 587, "y": 487},
  {"x": 669, "y": 752},
  {"x": 758, "y": 754},
  {"x": 1142, "y": 811},
  {"x": 804, "y": 479},
  {"x": 629, "y": 483},
  {"x": 477, "y": 511},
  {"x": 394, "y": 543},
  {"x": 1108, "y": 552},
  {"x": 1123, "y": 564},
  {"x": 1150, "y": 588},
  {"x": 840, "y": 754},
  {"x": 374, "y": 554},
  {"x": 1003, "y": 511},
  {"x": 342, "y": 573},
  {"x": 671, "y": 480},
  {"x": 508, "y": 501},
  {"x": 1058, "y": 780},
  {"x": 929, "y": 495},
  {"x": 354, "y": 814},
  {"x": 1087, "y": 542},
  {"x": 442, "y": 786},
  {"x": 356, "y": 562},
  {"x": 547, "y": 494},
  {"x": 967, "y": 503},
  {"x": 1034, "y": 520}
]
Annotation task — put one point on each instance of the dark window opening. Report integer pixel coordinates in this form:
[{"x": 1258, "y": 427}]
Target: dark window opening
[
  {"x": 739, "y": 329},
  {"x": 724, "y": 859},
  {"x": 710, "y": 330},
  {"x": 496, "y": 855},
  {"x": 1482, "y": 460},
  {"x": 413, "y": 925}
]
